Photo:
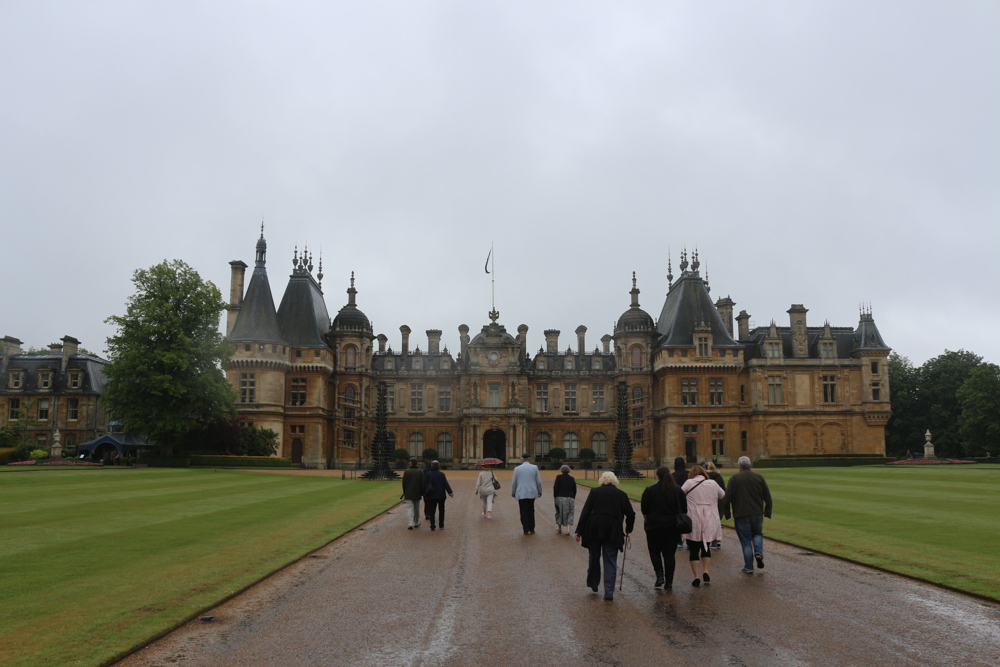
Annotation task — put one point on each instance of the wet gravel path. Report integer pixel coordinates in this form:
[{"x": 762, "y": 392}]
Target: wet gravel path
[{"x": 480, "y": 592}]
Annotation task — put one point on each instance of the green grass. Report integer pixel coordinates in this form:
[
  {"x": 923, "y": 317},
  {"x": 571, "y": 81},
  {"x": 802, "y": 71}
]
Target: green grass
[
  {"x": 96, "y": 562},
  {"x": 939, "y": 524}
]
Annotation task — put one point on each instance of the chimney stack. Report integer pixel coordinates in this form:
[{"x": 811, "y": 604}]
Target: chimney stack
[
  {"x": 606, "y": 343},
  {"x": 522, "y": 339},
  {"x": 800, "y": 337},
  {"x": 382, "y": 339},
  {"x": 463, "y": 335},
  {"x": 433, "y": 341},
  {"x": 238, "y": 273},
  {"x": 581, "y": 345},
  {"x": 552, "y": 340},
  {"x": 743, "y": 321},
  {"x": 725, "y": 308},
  {"x": 405, "y": 331},
  {"x": 11, "y": 346}
]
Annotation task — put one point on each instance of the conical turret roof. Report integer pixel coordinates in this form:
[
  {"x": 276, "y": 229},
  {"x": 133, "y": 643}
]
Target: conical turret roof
[{"x": 257, "y": 320}]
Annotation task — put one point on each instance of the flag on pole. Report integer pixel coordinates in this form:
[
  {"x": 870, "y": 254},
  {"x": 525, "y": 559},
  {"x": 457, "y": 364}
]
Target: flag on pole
[{"x": 488, "y": 259}]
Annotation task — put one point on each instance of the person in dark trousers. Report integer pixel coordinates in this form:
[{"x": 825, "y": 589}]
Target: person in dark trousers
[
  {"x": 716, "y": 476},
  {"x": 435, "y": 487},
  {"x": 680, "y": 476},
  {"x": 749, "y": 501},
  {"x": 526, "y": 487},
  {"x": 413, "y": 488},
  {"x": 661, "y": 503},
  {"x": 564, "y": 491},
  {"x": 600, "y": 531}
]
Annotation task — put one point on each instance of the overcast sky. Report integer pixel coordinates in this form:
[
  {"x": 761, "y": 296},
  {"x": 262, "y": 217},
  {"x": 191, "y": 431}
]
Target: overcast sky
[{"x": 823, "y": 153}]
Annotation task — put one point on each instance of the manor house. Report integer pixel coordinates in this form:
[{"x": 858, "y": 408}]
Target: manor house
[{"x": 695, "y": 386}]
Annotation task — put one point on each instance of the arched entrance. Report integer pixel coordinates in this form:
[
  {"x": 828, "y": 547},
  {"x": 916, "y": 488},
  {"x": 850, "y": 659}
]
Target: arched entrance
[
  {"x": 495, "y": 444},
  {"x": 296, "y": 451}
]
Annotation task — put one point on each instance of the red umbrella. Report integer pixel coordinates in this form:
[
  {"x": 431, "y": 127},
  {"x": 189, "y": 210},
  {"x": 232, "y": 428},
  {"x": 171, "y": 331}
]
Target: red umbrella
[{"x": 489, "y": 462}]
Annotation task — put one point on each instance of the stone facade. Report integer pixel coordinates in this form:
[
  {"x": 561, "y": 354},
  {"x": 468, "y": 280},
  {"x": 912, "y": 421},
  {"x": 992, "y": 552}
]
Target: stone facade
[{"x": 696, "y": 388}]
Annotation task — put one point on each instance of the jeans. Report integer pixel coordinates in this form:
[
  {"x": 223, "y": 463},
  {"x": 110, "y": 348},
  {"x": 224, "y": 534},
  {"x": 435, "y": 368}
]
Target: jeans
[
  {"x": 413, "y": 513},
  {"x": 610, "y": 554},
  {"x": 750, "y": 530}
]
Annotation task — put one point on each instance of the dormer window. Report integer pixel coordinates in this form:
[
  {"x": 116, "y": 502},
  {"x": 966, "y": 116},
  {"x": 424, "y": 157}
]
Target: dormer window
[
  {"x": 541, "y": 364},
  {"x": 827, "y": 349},
  {"x": 596, "y": 363},
  {"x": 74, "y": 380},
  {"x": 45, "y": 380},
  {"x": 445, "y": 363},
  {"x": 773, "y": 350},
  {"x": 703, "y": 350},
  {"x": 14, "y": 382},
  {"x": 418, "y": 364},
  {"x": 569, "y": 363},
  {"x": 390, "y": 363}
]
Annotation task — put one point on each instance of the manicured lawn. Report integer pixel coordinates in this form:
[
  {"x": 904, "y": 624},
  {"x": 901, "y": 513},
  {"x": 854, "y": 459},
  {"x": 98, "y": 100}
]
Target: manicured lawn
[
  {"x": 96, "y": 562},
  {"x": 936, "y": 523}
]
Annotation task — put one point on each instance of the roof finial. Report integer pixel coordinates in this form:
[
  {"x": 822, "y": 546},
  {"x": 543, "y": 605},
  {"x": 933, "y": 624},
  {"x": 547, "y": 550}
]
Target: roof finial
[
  {"x": 684, "y": 261},
  {"x": 262, "y": 226},
  {"x": 351, "y": 292},
  {"x": 319, "y": 276},
  {"x": 670, "y": 271},
  {"x": 295, "y": 257},
  {"x": 634, "y": 292},
  {"x": 694, "y": 262}
]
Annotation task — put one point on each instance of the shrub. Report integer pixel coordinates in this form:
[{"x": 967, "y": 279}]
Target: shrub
[
  {"x": 5, "y": 454},
  {"x": 587, "y": 454},
  {"x": 401, "y": 454},
  {"x": 39, "y": 454},
  {"x": 430, "y": 454},
  {"x": 241, "y": 461},
  {"x": 557, "y": 453}
]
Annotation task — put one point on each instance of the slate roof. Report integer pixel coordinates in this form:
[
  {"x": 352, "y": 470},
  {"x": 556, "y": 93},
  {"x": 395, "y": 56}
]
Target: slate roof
[
  {"x": 867, "y": 336},
  {"x": 257, "y": 320},
  {"x": 92, "y": 380},
  {"x": 302, "y": 315},
  {"x": 688, "y": 305}
]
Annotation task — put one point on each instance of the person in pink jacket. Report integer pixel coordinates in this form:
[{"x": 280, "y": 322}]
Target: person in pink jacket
[{"x": 703, "y": 497}]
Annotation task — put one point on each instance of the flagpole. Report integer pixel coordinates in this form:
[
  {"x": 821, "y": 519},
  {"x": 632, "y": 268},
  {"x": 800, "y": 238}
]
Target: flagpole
[{"x": 493, "y": 278}]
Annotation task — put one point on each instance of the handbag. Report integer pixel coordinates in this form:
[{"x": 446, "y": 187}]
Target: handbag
[
  {"x": 684, "y": 525},
  {"x": 496, "y": 484}
]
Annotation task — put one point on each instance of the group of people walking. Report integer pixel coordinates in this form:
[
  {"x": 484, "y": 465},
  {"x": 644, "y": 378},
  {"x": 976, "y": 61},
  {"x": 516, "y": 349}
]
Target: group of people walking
[{"x": 682, "y": 508}]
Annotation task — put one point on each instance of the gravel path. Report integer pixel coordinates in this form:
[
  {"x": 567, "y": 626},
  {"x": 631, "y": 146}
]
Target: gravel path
[{"x": 481, "y": 593}]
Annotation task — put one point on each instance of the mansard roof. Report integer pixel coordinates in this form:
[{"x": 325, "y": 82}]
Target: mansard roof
[
  {"x": 257, "y": 320},
  {"x": 91, "y": 368},
  {"x": 842, "y": 336},
  {"x": 867, "y": 336},
  {"x": 688, "y": 305},
  {"x": 302, "y": 314}
]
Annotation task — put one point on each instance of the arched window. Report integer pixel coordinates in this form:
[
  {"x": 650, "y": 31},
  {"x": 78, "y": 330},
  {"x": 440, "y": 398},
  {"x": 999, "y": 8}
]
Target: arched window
[
  {"x": 350, "y": 356},
  {"x": 444, "y": 446},
  {"x": 415, "y": 445},
  {"x": 349, "y": 393},
  {"x": 571, "y": 443},
  {"x": 569, "y": 363},
  {"x": 543, "y": 443},
  {"x": 637, "y": 393},
  {"x": 599, "y": 443},
  {"x": 636, "y": 352}
]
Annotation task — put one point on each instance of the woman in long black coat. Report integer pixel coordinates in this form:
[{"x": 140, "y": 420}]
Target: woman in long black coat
[
  {"x": 660, "y": 505},
  {"x": 600, "y": 531}
]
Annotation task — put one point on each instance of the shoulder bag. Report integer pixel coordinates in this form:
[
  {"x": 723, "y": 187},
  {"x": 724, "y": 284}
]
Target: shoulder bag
[{"x": 496, "y": 484}]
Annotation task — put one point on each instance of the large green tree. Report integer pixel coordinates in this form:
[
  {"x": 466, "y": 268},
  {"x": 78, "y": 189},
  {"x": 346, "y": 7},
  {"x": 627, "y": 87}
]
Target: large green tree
[
  {"x": 937, "y": 405},
  {"x": 905, "y": 431},
  {"x": 164, "y": 363},
  {"x": 979, "y": 422}
]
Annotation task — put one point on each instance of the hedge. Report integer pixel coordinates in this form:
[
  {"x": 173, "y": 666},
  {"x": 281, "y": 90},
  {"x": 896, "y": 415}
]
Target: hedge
[
  {"x": 241, "y": 461},
  {"x": 826, "y": 461},
  {"x": 5, "y": 454},
  {"x": 163, "y": 462}
]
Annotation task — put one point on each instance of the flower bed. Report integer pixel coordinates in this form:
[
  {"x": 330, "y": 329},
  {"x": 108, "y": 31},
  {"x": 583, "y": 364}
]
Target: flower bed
[
  {"x": 71, "y": 462},
  {"x": 23, "y": 463},
  {"x": 926, "y": 462}
]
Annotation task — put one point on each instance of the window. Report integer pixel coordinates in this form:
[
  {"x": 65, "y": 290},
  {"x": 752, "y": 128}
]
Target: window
[
  {"x": 417, "y": 398},
  {"x": 718, "y": 440},
  {"x": 13, "y": 408},
  {"x": 45, "y": 380},
  {"x": 418, "y": 364},
  {"x": 415, "y": 445},
  {"x": 446, "y": 362},
  {"x": 684, "y": 353},
  {"x": 248, "y": 387},
  {"x": 876, "y": 391},
  {"x": 829, "y": 389},
  {"x": 542, "y": 398},
  {"x": 493, "y": 394},
  {"x": 73, "y": 409},
  {"x": 774, "y": 389},
  {"x": 274, "y": 349},
  {"x": 444, "y": 398},
  {"x": 350, "y": 402},
  {"x": 597, "y": 398},
  {"x": 390, "y": 362},
  {"x": 391, "y": 439},
  {"x": 298, "y": 354},
  {"x": 595, "y": 363},
  {"x": 827, "y": 349},
  {"x": 636, "y": 353},
  {"x": 350, "y": 356},
  {"x": 736, "y": 354},
  {"x": 774, "y": 350},
  {"x": 297, "y": 430},
  {"x": 70, "y": 440},
  {"x": 670, "y": 353},
  {"x": 689, "y": 391},
  {"x": 743, "y": 393},
  {"x": 74, "y": 380},
  {"x": 15, "y": 380},
  {"x": 543, "y": 443},
  {"x": 874, "y": 368},
  {"x": 315, "y": 352},
  {"x": 637, "y": 406},
  {"x": 569, "y": 363},
  {"x": 599, "y": 443},
  {"x": 637, "y": 437},
  {"x": 246, "y": 347},
  {"x": 715, "y": 391},
  {"x": 569, "y": 398},
  {"x": 444, "y": 446},
  {"x": 702, "y": 346},
  {"x": 298, "y": 396},
  {"x": 349, "y": 438},
  {"x": 571, "y": 443},
  {"x": 43, "y": 409},
  {"x": 390, "y": 398},
  {"x": 690, "y": 431},
  {"x": 743, "y": 441}
]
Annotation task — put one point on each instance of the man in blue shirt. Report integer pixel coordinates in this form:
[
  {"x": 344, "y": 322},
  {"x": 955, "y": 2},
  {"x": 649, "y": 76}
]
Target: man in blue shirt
[{"x": 526, "y": 487}]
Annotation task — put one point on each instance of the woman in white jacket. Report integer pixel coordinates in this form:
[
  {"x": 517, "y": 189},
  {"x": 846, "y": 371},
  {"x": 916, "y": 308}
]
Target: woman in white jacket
[
  {"x": 485, "y": 490},
  {"x": 703, "y": 497}
]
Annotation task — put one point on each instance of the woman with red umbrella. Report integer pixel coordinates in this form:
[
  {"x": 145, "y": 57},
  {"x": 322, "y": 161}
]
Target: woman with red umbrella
[{"x": 487, "y": 485}]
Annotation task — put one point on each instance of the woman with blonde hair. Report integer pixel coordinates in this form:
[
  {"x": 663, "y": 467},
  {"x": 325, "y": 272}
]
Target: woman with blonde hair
[
  {"x": 600, "y": 531},
  {"x": 703, "y": 497}
]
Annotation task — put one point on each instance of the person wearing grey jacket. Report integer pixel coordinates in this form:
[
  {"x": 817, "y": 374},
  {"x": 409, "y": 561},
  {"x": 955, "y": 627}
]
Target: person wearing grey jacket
[{"x": 526, "y": 487}]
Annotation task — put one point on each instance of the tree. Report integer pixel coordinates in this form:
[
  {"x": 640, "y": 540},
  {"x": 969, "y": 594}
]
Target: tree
[
  {"x": 979, "y": 422},
  {"x": 164, "y": 363},
  {"x": 937, "y": 407},
  {"x": 903, "y": 432}
]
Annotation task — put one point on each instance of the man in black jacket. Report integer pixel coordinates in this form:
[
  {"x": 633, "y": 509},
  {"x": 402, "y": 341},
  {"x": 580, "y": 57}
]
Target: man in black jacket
[{"x": 749, "y": 500}]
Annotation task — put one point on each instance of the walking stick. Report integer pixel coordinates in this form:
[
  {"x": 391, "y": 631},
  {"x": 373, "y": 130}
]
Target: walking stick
[{"x": 628, "y": 545}]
